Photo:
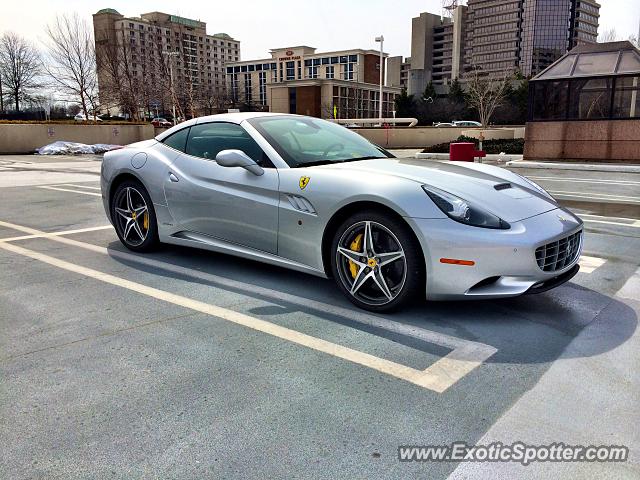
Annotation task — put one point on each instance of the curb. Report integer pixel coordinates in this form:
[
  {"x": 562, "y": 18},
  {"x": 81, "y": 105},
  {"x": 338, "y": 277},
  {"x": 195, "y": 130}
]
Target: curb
[
  {"x": 492, "y": 157},
  {"x": 594, "y": 167}
]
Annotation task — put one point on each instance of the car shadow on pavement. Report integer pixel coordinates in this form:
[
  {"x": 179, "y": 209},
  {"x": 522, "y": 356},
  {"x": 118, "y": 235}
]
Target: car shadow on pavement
[{"x": 530, "y": 329}]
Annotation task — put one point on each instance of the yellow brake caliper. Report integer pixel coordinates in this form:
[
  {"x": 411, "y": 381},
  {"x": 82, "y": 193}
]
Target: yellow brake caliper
[
  {"x": 356, "y": 245},
  {"x": 145, "y": 220}
]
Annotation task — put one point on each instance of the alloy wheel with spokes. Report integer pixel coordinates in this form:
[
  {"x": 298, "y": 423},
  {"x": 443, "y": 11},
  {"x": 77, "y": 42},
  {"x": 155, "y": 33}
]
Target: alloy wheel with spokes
[
  {"x": 371, "y": 263},
  {"x": 133, "y": 216}
]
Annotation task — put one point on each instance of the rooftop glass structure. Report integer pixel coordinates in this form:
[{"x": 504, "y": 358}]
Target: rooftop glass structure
[{"x": 591, "y": 82}]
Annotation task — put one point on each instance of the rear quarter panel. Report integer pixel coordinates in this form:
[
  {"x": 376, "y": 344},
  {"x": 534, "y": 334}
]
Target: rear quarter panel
[{"x": 151, "y": 173}]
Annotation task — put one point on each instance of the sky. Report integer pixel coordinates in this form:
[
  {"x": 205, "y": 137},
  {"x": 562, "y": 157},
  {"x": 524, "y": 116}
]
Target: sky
[{"x": 261, "y": 25}]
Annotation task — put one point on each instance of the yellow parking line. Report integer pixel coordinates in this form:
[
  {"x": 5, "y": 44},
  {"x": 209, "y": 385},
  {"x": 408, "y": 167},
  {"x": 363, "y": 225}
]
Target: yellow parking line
[
  {"x": 69, "y": 190},
  {"x": 466, "y": 355}
]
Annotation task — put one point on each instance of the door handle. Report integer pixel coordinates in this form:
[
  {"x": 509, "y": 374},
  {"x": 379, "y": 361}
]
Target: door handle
[{"x": 172, "y": 177}]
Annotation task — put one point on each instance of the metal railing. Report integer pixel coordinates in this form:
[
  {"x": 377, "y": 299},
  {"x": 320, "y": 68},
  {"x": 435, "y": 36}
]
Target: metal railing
[{"x": 361, "y": 122}]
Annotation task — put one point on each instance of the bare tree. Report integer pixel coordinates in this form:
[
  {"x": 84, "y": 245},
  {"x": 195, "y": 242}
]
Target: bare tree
[
  {"x": 20, "y": 66},
  {"x": 71, "y": 65},
  {"x": 610, "y": 35},
  {"x": 120, "y": 85},
  {"x": 487, "y": 91}
]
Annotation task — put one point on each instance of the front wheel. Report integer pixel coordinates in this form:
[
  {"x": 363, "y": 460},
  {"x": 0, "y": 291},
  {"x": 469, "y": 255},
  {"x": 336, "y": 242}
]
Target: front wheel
[
  {"x": 377, "y": 262},
  {"x": 134, "y": 217}
]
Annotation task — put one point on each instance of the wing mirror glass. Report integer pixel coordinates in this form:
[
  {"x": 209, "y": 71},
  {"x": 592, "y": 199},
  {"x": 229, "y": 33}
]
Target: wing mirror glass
[{"x": 237, "y": 158}]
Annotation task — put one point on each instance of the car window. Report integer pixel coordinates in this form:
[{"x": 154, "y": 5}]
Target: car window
[
  {"x": 208, "y": 139},
  {"x": 177, "y": 140},
  {"x": 302, "y": 141}
]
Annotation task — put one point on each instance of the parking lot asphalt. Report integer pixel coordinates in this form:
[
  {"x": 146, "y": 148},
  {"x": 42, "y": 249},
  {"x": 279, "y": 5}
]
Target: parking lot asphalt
[{"x": 191, "y": 364}]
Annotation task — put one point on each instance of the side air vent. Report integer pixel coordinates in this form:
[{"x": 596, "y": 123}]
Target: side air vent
[
  {"x": 301, "y": 204},
  {"x": 502, "y": 186}
]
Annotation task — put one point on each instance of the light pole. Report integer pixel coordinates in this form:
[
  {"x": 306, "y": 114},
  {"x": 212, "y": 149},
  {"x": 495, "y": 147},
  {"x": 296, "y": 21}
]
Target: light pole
[
  {"x": 381, "y": 40},
  {"x": 173, "y": 95}
]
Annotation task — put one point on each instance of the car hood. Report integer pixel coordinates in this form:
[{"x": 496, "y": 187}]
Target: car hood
[{"x": 473, "y": 182}]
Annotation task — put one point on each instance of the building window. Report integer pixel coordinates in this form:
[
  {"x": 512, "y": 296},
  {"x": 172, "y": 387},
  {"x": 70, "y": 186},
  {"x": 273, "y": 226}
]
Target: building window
[
  {"x": 626, "y": 98},
  {"x": 247, "y": 88},
  {"x": 348, "y": 71},
  {"x": 234, "y": 87},
  {"x": 313, "y": 72},
  {"x": 330, "y": 71},
  {"x": 589, "y": 99},
  {"x": 263, "y": 87},
  {"x": 291, "y": 70}
]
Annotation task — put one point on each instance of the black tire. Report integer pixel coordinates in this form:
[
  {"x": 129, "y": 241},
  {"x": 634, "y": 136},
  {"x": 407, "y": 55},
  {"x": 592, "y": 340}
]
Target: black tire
[
  {"x": 404, "y": 278},
  {"x": 133, "y": 240}
]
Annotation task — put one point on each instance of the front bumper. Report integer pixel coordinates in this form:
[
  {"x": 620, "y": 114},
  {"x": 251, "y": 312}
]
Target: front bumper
[{"x": 504, "y": 260}]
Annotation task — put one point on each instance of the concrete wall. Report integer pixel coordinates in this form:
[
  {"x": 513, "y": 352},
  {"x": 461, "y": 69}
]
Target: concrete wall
[
  {"x": 423, "y": 137},
  {"x": 26, "y": 138},
  {"x": 394, "y": 67},
  {"x": 605, "y": 141}
]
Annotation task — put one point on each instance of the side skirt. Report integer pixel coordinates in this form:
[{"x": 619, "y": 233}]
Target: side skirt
[{"x": 205, "y": 242}]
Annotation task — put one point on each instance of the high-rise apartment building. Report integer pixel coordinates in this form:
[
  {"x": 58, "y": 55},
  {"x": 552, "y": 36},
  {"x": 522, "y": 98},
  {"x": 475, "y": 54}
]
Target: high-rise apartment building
[
  {"x": 497, "y": 36},
  {"x": 398, "y": 71},
  {"x": 137, "y": 56},
  {"x": 545, "y": 37}
]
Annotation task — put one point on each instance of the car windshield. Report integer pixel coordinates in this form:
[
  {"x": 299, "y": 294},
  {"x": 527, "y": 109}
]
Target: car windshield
[{"x": 305, "y": 141}]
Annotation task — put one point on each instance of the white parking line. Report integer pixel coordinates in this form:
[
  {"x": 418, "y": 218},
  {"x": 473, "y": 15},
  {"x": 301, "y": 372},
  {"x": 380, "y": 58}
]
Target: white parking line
[
  {"x": 631, "y": 289},
  {"x": 69, "y": 190},
  {"x": 586, "y": 180},
  {"x": 76, "y": 186},
  {"x": 595, "y": 196},
  {"x": 465, "y": 356},
  {"x": 623, "y": 222},
  {"x": 55, "y": 234},
  {"x": 589, "y": 264}
]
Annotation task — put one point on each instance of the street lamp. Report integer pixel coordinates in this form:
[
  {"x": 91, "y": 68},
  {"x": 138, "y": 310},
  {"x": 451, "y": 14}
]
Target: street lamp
[
  {"x": 173, "y": 96},
  {"x": 381, "y": 40}
]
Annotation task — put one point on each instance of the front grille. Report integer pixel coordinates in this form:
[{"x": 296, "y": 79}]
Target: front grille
[{"x": 557, "y": 255}]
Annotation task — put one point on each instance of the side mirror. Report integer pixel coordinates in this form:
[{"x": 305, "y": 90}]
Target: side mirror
[{"x": 237, "y": 158}]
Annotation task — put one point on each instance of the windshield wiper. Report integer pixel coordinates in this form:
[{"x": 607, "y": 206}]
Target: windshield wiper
[
  {"x": 342, "y": 160},
  {"x": 371, "y": 157},
  {"x": 317, "y": 162}
]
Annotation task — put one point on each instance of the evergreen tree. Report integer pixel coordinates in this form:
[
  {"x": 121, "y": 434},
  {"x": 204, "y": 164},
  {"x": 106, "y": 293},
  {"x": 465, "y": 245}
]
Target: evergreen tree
[
  {"x": 456, "y": 93},
  {"x": 405, "y": 105},
  {"x": 429, "y": 92}
]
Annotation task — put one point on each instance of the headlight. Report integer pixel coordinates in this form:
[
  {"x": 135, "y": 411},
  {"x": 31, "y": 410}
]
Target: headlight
[
  {"x": 537, "y": 187},
  {"x": 462, "y": 211}
]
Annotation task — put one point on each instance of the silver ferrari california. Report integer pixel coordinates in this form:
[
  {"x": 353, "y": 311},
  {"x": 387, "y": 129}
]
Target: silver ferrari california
[{"x": 310, "y": 195}]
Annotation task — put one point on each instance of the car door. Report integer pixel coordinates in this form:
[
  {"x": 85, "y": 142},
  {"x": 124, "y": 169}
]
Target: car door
[{"x": 228, "y": 203}]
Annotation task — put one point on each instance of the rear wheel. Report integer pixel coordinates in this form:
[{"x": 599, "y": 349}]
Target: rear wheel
[
  {"x": 134, "y": 217},
  {"x": 376, "y": 261}
]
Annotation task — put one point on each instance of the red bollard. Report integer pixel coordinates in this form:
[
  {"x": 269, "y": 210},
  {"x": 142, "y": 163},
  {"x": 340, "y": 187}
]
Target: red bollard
[{"x": 464, "y": 152}]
